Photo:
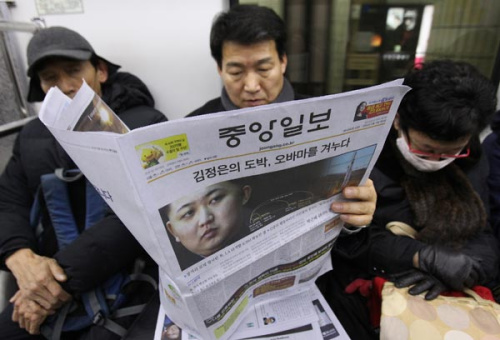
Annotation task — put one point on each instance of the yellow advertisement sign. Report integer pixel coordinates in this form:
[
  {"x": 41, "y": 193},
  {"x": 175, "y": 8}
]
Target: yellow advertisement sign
[{"x": 162, "y": 150}]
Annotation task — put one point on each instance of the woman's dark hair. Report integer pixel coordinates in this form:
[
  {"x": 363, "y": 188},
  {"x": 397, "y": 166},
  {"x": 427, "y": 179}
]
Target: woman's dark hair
[
  {"x": 247, "y": 25},
  {"x": 448, "y": 100},
  {"x": 358, "y": 108}
]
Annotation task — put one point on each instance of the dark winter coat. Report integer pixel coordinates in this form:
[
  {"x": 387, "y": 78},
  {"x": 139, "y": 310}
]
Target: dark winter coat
[
  {"x": 375, "y": 251},
  {"x": 104, "y": 248},
  {"x": 215, "y": 105},
  {"x": 391, "y": 254},
  {"x": 491, "y": 145}
]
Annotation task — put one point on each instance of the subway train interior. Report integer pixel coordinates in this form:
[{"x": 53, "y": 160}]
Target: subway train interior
[{"x": 333, "y": 46}]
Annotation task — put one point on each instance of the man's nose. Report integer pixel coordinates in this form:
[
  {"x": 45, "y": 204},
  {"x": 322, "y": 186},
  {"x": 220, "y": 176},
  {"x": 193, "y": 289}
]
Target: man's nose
[
  {"x": 205, "y": 216},
  {"x": 252, "y": 83},
  {"x": 68, "y": 86}
]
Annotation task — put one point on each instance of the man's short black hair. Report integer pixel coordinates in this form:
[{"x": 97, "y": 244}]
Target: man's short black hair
[
  {"x": 448, "y": 100},
  {"x": 247, "y": 25}
]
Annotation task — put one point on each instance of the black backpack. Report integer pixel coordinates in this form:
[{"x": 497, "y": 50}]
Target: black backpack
[{"x": 102, "y": 304}]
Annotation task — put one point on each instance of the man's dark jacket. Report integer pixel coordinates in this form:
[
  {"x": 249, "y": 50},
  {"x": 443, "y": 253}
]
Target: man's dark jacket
[
  {"x": 104, "y": 248},
  {"x": 215, "y": 105},
  {"x": 492, "y": 147}
]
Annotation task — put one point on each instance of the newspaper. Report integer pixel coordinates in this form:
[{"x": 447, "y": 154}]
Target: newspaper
[
  {"x": 233, "y": 206},
  {"x": 302, "y": 316}
]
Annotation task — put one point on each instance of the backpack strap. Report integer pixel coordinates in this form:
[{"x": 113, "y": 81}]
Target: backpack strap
[
  {"x": 54, "y": 187},
  {"x": 36, "y": 214},
  {"x": 96, "y": 206},
  {"x": 54, "y": 333},
  {"x": 56, "y": 195},
  {"x": 94, "y": 302},
  {"x": 103, "y": 303}
]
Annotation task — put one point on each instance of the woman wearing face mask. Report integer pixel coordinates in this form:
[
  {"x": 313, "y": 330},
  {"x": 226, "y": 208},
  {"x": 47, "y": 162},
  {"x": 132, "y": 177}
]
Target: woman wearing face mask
[{"x": 431, "y": 175}]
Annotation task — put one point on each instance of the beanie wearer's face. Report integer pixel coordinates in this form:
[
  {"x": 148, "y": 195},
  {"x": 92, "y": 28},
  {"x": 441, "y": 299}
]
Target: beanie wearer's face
[{"x": 68, "y": 75}]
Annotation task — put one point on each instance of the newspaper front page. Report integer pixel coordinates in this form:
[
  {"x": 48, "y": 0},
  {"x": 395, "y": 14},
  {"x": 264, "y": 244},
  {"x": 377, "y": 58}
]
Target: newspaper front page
[{"x": 233, "y": 206}]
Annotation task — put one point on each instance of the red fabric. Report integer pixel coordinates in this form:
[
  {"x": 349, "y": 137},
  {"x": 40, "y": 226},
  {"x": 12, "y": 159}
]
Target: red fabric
[
  {"x": 375, "y": 304},
  {"x": 483, "y": 292},
  {"x": 372, "y": 289},
  {"x": 363, "y": 286}
]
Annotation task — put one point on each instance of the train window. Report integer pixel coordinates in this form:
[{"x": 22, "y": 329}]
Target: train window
[{"x": 335, "y": 45}]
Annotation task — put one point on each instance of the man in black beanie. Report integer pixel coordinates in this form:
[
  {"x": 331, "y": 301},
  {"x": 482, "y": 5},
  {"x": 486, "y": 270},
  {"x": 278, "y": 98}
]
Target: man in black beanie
[{"x": 48, "y": 276}]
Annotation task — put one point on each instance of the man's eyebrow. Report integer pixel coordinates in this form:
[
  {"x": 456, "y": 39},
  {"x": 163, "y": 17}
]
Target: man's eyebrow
[
  {"x": 185, "y": 205},
  {"x": 212, "y": 192},
  {"x": 234, "y": 64},
  {"x": 259, "y": 62},
  {"x": 264, "y": 61}
]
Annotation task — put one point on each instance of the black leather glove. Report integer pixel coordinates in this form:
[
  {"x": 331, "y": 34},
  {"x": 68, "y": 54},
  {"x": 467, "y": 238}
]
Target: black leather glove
[
  {"x": 421, "y": 282},
  {"x": 456, "y": 270}
]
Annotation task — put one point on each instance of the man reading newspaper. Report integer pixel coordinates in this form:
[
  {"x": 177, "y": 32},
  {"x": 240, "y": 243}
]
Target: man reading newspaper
[{"x": 248, "y": 44}]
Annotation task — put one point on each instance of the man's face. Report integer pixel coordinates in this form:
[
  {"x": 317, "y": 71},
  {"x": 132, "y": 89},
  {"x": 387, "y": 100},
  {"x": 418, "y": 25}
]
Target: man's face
[
  {"x": 205, "y": 221},
  {"x": 67, "y": 75},
  {"x": 252, "y": 74}
]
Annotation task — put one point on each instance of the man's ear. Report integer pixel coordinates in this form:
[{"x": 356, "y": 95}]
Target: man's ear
[
  {"x": 102, "y": 71},
  {"x": 247, "y": 192},
  {"x": 284, "y": 63},
  {"x": 170, "y": 229}
]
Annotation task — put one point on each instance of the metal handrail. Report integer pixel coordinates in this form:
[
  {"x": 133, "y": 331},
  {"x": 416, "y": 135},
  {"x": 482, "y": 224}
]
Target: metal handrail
[
  {"x": 31, "y": 27},
  {"x": 13, "y": 127}
]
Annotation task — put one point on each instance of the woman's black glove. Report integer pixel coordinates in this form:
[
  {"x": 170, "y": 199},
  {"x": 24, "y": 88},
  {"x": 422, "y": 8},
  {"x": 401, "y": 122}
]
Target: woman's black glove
[
  {"x": 456, "y": 270},
  {"x": 421, "y": 282}
]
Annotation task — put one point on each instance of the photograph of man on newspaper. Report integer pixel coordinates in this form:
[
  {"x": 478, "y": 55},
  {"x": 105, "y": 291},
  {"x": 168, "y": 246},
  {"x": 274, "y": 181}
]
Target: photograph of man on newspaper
[
  {"x": 98, "y": 116},
  {"x": 204, "y": 222},
  {"x": 207, "y": 221}
]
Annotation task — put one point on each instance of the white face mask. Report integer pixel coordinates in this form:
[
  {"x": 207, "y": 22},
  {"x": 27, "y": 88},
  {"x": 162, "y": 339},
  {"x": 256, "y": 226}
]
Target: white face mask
[{"x": 420, "y": 164}]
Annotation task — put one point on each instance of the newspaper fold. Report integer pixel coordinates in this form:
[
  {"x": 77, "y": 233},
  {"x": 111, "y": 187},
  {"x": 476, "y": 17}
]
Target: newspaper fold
[{"x": 233, "y": 206}]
